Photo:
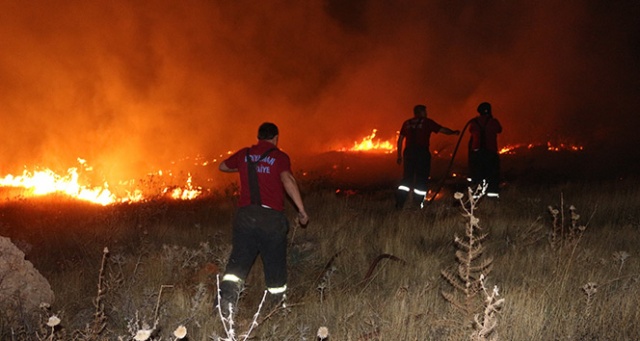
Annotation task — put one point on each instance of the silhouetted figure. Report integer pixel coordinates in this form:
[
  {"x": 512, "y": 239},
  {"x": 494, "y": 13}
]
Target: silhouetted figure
[
  {"x": 259, "y": 225},
  {"x": 484, "y": 160},
  {"x": 416, "y": 155}
]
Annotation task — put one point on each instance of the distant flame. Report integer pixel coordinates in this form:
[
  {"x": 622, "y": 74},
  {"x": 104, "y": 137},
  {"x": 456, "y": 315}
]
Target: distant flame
[
  {"x": 511, "y": 149},
  {"x": 563, "y": 146},
  {"x": 368, "y": 144}
]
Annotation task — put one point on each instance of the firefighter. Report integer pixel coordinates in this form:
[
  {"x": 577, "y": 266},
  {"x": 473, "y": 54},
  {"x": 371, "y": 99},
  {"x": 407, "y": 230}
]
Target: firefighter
[
  {"x": 259, "y": 225},
  {"x": 416, "y": 155},
  {"x": 484, "y": 160}
]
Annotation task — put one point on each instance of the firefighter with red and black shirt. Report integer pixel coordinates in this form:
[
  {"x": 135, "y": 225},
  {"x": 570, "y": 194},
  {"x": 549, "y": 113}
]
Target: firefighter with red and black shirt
[
  {"x": 416, "y": 155},
  {"x": 260, "y": 225},
  {"x": 484, "y": 160}
]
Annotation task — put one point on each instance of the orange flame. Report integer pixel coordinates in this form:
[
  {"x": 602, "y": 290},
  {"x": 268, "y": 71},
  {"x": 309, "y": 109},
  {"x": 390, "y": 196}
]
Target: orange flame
[
  {"x": 368, "y": 144},
  {"x": 187, "y": 193},
  {"x": 45, "y": 181},
  {"x": 511, "y": 149}
]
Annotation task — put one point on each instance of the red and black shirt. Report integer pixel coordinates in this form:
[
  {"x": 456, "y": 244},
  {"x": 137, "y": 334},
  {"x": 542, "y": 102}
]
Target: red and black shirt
[
  {"x": 268, "y": 169},
  {"x": 484, "y": 131},
  {"x": 418, "y": 131}
]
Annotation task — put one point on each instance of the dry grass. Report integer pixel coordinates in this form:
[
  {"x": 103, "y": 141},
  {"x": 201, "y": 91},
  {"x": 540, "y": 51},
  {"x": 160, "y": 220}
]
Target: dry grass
[{"x": 163, "y": 258}]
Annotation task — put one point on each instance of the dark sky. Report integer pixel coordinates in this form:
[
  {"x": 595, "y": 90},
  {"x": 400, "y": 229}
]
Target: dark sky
[{"x": 130, "y": 85}]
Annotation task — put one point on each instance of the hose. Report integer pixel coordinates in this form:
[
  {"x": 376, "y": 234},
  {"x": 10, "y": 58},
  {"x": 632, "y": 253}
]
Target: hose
[{"x": 446, "y": 174}]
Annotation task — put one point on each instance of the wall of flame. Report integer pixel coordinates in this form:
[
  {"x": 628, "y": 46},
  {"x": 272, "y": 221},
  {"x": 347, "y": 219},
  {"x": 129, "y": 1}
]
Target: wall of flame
[{"x": 134, "y": 86}]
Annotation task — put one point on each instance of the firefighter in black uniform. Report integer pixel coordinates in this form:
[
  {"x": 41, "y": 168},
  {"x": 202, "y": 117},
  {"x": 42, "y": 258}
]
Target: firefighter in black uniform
[{"x": 416, "y": 155}]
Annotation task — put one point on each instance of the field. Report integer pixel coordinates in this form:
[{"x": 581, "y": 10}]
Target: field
[{"x": 560, "y": 252}]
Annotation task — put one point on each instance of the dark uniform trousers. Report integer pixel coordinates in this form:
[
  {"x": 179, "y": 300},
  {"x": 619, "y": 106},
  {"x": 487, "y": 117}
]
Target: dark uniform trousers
[
  {"x": 257, "y": 229},
  {"x": 417, "y": 168},
  {"x": 485, "y": 165}
]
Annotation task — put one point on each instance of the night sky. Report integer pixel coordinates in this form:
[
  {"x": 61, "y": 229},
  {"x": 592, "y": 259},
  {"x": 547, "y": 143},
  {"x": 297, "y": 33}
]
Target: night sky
[{"x": 130, "y": 85}]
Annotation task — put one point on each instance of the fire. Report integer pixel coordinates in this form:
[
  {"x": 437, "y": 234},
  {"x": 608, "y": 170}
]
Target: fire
[
  {"x": 43, "y": 182},
  {"x": 563, "y": 146},
  {"x": 511, "y": 149},
  {"x": 368, "y": 144},
  {"x": 187, "y": 193}
]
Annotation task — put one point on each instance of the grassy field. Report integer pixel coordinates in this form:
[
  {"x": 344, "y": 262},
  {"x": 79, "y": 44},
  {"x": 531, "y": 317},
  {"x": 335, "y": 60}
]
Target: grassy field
[{"x": 362, "y": 269}]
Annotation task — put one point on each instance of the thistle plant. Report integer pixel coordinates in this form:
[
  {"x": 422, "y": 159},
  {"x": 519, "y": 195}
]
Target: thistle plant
[
  {"x": 485, "y": 324},
  {"x": 472, "y": 268},
  {"x": 565, "y": 233},
  {"x": 564, "y": 238},
  {"x": 325, "y": 282},
  {"x": 590, "y": 289},
  {"x": 323, "y": 333},
  {"x": 620, "y": 257}
]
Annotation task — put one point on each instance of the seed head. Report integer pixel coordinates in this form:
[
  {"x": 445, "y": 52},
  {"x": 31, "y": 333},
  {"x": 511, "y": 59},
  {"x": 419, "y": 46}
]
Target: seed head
[
  {"x": 323, "y": 333},
  {"x": 53, "y": 321},
  {"x": 180, "y": 332}
]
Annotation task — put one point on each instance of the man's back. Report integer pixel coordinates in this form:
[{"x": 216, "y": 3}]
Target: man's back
[
  {"x": 418, "y": 131},
  {"x": 268, "y": 170},
  {"x": 484, "y": 130}
]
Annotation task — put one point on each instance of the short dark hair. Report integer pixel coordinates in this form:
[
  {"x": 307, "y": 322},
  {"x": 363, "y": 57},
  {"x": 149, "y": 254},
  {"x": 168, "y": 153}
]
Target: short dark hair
[
  {"x": 267, "y": 131},
  {"x": 419, "y": 108},
  {"x": 484, "y": 108}
]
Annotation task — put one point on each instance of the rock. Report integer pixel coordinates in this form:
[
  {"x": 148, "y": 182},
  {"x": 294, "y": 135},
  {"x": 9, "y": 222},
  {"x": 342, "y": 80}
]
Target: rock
[{"x": 22, "y": 287}]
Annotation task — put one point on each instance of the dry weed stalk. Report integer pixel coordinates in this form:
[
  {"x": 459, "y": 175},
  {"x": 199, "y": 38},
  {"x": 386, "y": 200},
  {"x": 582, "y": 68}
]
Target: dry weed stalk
[
  {"x": 590, "y": 289},
  {"x": 92, "y": 331},
  {"x": 485, "y": 325},
  {"x": 564, "y": 238},
  {"x": 228, "y": 322},
  {"x": 470, "y": 265},
  {"x": 565, "y": 234},
  {"x": 140, "y": 331},
  {"x": 155, "y": 314},
  {"x": 620, "y": 257}
]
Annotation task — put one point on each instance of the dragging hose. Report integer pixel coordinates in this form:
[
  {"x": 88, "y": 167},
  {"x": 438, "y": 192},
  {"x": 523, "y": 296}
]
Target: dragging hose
[{"x": 446, "y": 174}]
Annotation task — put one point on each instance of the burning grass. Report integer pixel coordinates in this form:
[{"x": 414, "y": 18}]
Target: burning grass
[{"x": 164, "y": 255}]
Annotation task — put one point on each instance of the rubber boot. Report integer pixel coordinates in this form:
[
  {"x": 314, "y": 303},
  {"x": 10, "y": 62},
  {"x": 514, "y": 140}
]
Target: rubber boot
[
  {"x": 228, "y": 300},
  {"x": 275, "y": 302}
]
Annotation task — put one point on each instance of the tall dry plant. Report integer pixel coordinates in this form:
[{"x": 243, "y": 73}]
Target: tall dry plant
[
  {"x": 565, "y": 233},
  {"x": 472, "y": 268},
  {"x": 564, "y": 238},
  {"x": 485, "y": 323}
]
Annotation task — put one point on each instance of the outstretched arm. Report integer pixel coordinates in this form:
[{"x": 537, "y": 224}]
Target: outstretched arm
[
  {"x": 291, "y": 187},
  {"x": 448, "y": 131},
  {"x": 224, "y": 168}
]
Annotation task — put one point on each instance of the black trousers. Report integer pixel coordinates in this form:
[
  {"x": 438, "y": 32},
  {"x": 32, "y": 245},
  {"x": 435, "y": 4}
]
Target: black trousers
[
  {"x": 485, "y": 165},
  {"x": 416, "y": 171},
  {"x": 417, "y": 168},
  {"x": 259, "y": 230}
]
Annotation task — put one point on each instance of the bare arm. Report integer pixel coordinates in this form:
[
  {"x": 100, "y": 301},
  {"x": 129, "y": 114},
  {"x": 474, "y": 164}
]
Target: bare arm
[
  {"x": 448, "y": 131},
  {"x": 291, "y": 187},
  {"x": 223, "y": 167}
]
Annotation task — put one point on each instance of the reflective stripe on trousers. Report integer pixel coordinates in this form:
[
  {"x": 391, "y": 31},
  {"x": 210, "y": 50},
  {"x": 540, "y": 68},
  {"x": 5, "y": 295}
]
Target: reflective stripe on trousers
[
  {"x": 419, "y": 192},
  {"x": 236, "y": 279},
  {"x": 231, "y": 278},
  {"x": 278, "y": 290},
  {"x": 416, "y": 191}
]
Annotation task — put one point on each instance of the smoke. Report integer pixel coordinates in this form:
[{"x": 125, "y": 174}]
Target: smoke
[{"x": 132, "y": 86}]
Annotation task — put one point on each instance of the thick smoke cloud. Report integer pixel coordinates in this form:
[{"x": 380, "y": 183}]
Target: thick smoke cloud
[{"x": 130, "y": 86}]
